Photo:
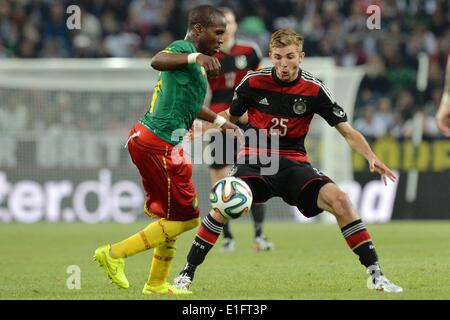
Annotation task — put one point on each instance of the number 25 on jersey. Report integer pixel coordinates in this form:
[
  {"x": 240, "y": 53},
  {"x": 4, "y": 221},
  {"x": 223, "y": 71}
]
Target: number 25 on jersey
[{"x": 279, "y": 127}]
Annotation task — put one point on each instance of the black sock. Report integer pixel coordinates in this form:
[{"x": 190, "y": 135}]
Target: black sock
[
  {"x": 206, "y": 237},
  {"x": 258, "y": 211},
  {"x": 359, "y": 240}
]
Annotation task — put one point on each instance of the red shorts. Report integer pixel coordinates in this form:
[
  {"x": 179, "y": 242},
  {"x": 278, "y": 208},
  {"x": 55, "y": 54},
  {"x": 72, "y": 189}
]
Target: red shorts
[{"x": 166, "y": 176}]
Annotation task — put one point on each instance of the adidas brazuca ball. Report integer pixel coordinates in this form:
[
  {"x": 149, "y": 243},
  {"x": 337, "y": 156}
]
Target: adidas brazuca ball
[{"x": 232, "y": 197}]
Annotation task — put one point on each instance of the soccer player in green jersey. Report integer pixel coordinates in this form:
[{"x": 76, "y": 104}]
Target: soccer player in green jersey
[{"x": 166, "y": 173}]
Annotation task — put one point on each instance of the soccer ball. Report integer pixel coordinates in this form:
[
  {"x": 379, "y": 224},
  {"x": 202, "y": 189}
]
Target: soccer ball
[{"x": 231, "y": 197}]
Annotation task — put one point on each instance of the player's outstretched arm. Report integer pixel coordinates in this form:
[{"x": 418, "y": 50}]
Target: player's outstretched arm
[
  {"x": 226, "y": 114},
  {"x": 358, "y": 143},
  {"x": 219, "y": 121},
  {"x": 205, "y": 126},
  {"x": 166, "y": 61}
]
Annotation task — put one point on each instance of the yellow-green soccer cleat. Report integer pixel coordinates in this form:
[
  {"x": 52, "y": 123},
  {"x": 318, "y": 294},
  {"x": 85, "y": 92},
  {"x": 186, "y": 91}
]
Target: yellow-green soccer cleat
[
  {"x": 165, "y": 288},
  {"x": 114, "y": 267}
]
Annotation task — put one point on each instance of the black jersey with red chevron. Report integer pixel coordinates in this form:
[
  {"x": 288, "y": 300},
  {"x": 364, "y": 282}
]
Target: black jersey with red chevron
[
  {"x": 284, "y": 109},
  {"x": 243, "y": 57}
]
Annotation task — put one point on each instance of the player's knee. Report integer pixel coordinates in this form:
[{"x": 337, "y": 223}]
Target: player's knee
[
  {"x": 217, "y": 216},
  {"x": 169, "y": 249}
]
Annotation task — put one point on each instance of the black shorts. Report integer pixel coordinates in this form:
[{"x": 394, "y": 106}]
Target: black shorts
[
  {"x": 298, "y": 184},
  {"x": 222, "y": 150}
]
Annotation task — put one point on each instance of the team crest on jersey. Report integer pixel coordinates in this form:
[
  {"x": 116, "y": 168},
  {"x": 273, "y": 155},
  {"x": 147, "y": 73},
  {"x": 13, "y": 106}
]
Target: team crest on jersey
[
  {"x": 299, "y": 106},
  {"x": 241, "y": 62},
  {"x": 338, "y": 112},
  {"x": 195, "y": 203}
]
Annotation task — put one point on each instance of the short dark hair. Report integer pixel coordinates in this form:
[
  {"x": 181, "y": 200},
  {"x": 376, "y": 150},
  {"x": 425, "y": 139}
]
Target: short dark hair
[{"x": 204, "y": 15}]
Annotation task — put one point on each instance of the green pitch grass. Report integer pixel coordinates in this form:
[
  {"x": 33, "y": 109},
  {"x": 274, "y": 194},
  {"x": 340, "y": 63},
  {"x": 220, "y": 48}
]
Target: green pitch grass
[{"x": 309, "y": 262}]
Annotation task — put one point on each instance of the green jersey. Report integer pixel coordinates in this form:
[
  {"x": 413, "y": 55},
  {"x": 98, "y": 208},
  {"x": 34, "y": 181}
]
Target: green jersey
[{"x": 177, "y": 99}]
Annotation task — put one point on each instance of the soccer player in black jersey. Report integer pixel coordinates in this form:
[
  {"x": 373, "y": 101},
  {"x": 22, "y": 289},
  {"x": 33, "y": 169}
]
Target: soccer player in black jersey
[{"x": 283, "y": 100}]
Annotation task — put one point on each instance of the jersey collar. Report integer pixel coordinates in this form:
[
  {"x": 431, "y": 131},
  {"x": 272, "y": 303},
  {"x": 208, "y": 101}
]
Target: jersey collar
[{"x": 283, "y": 83}]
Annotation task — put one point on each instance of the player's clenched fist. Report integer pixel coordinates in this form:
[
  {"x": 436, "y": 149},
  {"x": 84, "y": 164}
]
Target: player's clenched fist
[{"x": 211, "y": 64}]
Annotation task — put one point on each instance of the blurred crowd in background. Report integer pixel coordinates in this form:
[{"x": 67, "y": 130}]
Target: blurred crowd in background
[
  {"x": 56, "y": 111},
  {"x": 387, "y": 100}
]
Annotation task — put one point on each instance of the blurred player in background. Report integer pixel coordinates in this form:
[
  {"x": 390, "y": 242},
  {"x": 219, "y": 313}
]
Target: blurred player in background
[
  {"x": 282, "y": 101},
  {"x": 236, "y": 58},
  {"x": 166, "y": 173},
  {"x": 443, "y": 114}
]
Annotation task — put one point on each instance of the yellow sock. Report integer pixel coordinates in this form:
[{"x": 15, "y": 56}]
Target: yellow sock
[
  {"x": 128, "y": 247},
  {"x": 161, "y": 263},
  {"x": 155, "y": 234}
]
